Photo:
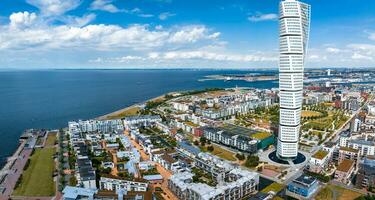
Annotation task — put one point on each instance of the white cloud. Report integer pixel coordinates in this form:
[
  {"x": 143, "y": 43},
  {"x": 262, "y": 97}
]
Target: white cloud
[
  {"x": 263, "y": 17},
  {"x": 333, "y": 50},
  {"x": 104, "y": 5},
  {"x": 78, "y": 21},
  {"x": 22, "y": 19},
  {"x": 165, "y": 15},
  {"x": 145, "y": 15},
  {"x": 191, "y": 34},
  {"x": 189, "y": 55},
  {"x": 100, "y": 36},
  {"x": 54, "y": 7},
  {"x": 358, "y": 56}
]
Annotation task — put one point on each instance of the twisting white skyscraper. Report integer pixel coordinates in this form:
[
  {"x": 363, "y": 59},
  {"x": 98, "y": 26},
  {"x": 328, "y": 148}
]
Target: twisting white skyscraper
[{"x": 294, "y": 34}]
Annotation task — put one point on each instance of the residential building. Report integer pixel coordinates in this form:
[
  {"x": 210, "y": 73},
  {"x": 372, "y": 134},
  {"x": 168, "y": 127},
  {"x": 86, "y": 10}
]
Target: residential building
[
  {"x": 143, "y": 120},
  {"x": 75, "y": 193},
  {"x": 366, "y": 173},
  {"x": 294, "y": 34},
  {"x": 319, "y": 161},
  {"x": 349, "y": 154},
  {"x": 344, "y": 171},
  {"x": 240, "y": 183},
  {"x": 115, "y": 184}
]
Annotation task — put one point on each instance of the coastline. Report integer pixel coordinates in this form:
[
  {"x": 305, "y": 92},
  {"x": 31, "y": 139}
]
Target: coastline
[{"x": 123, "y": 111}]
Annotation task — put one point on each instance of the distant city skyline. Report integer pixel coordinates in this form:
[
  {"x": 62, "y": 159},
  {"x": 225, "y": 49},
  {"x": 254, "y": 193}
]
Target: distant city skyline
[{"x": 176, "y": 34}]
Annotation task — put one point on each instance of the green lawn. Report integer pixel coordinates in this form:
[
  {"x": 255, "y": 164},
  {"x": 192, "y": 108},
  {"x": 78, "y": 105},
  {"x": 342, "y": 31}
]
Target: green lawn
[
  {"x": 276, "y": 187},
  {"x": 220, "y": 152},
  {"x": 261, "y": 135},
  {"x": 37, "y": 180},
  {"x": 51, "y": 139}
]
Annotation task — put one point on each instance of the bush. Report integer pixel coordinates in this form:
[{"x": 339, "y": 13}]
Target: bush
[{"x": 210, "y": 148}]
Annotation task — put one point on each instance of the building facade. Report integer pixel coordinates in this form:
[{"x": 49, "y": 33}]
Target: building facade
[{"x": 294, "y": 32}]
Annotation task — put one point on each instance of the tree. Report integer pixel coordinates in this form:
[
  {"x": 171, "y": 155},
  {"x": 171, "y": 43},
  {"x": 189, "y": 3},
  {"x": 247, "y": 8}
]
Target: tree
[
  {"x": 203, "y": 140},
  {"x": 320, "y": 136},
  {"x": 196, "y": 143},
  {"x": 252, "y": 161},
  {"x": 210, "y": 148},
  {"x": 240, "y": 156}
]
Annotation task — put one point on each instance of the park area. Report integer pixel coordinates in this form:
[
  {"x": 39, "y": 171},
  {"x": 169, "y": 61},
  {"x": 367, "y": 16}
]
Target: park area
[
  {"x": 309, "y": 113},
  {"x": 331, "y": 192},
  {"x": 37, "y": 179}
]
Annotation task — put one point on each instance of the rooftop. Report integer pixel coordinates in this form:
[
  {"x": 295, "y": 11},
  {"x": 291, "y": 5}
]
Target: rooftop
[
  {"x": 345, "y": 165},
  {"x": 261, "y": 135},
  {"x": 349, "y": 149},
  {"x": 305, "y": 180},
  {"x": 320, "y": 154},
  {"x": 73, "y": 192}
]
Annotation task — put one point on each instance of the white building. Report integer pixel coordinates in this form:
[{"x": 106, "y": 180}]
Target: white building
[
  {"x": 141, "y": 120},
  {"x": 240, "y": 183},
  {"x": 116, "y": 184},
  {"x": 294, "y": 32},
  {"x": 371, "y": 108},
  {"x": 319, "y": 161}
]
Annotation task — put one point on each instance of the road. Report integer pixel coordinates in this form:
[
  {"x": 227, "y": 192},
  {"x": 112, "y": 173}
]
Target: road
[
  {"x": 336, "y": 134},
  {"x": 15, "y": 172}
]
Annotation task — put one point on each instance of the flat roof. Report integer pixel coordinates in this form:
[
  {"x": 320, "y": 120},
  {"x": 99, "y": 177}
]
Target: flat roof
[
  {"x": 153, "y": 177},
  {"x": 349, "y": 149},
  {"x": 305, "y": 180},
  {"x": 345, "y": 165},
  {"x": 320, "y": 154},
  {"x": 73, "y": 192}
]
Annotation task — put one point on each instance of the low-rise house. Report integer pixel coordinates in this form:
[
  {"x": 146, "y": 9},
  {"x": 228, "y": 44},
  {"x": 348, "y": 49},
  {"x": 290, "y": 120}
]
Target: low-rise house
[
  {"x": 303, "y": 188},
  {"x": 344, "y": 171},
  {"x": 113, "y": 146}
]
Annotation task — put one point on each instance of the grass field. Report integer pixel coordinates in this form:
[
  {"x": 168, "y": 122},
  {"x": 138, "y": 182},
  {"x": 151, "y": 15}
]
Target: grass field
[
  {"x": 220, "y": 152},
  {"x": 37, "y": 180},
  {"x": 261, "y": 135},
  {"x": 309, "y": 113},
  {"x": 276, "y": 187},
  {"x": 128, "y": 112},
  {"x": 332, "y": 191},
  {"x": 51, "y": 139}
]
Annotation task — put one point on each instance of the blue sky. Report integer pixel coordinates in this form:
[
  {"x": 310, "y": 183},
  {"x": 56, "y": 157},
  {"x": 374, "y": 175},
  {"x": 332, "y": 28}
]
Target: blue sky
[{"x": 177, "y": 34}]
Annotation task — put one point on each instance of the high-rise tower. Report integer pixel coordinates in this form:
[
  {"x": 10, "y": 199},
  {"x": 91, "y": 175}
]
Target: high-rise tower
[{"x": 294, "y": 34}]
